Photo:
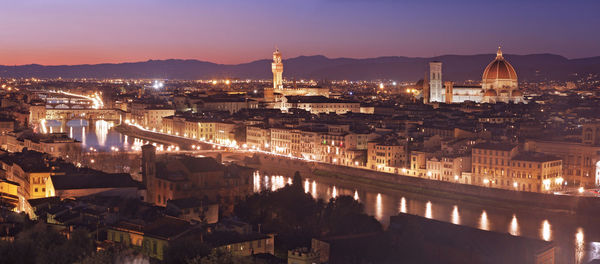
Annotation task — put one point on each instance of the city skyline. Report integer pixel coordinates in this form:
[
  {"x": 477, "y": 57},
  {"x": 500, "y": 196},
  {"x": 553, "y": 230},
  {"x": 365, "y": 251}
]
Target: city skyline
[{"x": 68, "y": 32}]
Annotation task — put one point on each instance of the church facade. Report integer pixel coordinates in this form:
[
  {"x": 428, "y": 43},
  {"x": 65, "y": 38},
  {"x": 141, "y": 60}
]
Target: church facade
[{"x": 499, "y": 84}]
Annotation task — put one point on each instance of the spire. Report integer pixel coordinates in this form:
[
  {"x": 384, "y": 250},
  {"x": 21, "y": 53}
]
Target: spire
[{"x": 499, "y": 53}]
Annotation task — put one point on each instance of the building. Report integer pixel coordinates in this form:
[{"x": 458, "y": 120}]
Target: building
[
  {"x": 281, "y": 140},
  {"x": 275, "y": 93},
  {"x": 491, "y": 163},
  {"x": 258, "y": 137},
  {"x": 499, "y": 84},
  {"x": 435, "y": 82},
  {"x": 9, "y": 197},
  {"x": 225, "y": 133},
  {"x": 153, "y": 117},
  {"x": 505, "y": 166},
  {"x": 277, "y": 68},
  {"x": 194, "y": 209},
  {"x": 30, "y": 170},
  {"x": 388, "y": 153},
  {"x": 237, "y": 238},
  {"x": 55, "y": 144},
  {"x": 448, "y": 167},
  {"x": 229, "y": 104},
  {"x": 531, "y": 171},
  {"x": 303, "y": 256},
  {"x": 581, "y": 160},
  {"x": 91, "y": 182},
  {"x": 150, "y": 238},
  {"x": 173, "y": 177},
  {"x": 319, "y": 104},
  {"x": 6, "y": 125}
]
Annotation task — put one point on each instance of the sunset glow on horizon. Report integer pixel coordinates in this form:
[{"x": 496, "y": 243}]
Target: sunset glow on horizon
[{"x": 236, "y": 31}]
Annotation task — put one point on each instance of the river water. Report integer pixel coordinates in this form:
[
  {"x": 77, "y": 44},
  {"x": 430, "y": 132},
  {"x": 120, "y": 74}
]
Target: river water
[
  {"x": 577, "y": 238},
  {"x": 97, "y": 136}
]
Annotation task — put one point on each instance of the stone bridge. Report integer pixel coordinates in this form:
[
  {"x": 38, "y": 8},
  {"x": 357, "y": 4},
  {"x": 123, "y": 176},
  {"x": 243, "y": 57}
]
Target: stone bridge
[{"x": 87, "y": 114}]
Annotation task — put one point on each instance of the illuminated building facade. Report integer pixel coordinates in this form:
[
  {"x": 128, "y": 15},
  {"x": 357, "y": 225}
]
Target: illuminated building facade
[
  {"x": 499, "y": 84},
  {"x": 275, "y": 93},
  {"x": 319, "y": 104},
  {"x": 277, "y": 68},
  {"x": 504, "y": 166},
  {"x": 581, "y": 160}
]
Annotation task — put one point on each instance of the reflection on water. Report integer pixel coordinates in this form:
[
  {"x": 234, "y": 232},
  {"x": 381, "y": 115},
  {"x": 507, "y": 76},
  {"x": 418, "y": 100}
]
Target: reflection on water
[
  {"x": 428, "y": 212},
  {"x": 102, "y": 128},
  {"x": 514, "y": 226},
  {"x": 403, "y": 205},
  {"x": 455, "y": 216},
  {"x": 579, "y": 246},
  {"x": 382, "y": 205},
  {"x": 378, "y": 208},
  {"x": 101, "y": 136},
  {"x": 306, "y": 185},
  {"x": 546, "y": 231},
  {"x": 484, "y": 223}
]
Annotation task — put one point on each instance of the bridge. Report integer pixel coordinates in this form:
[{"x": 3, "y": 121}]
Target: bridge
[
  {"x": 87, "y": 114},
  {"x": 64, "y": 106}
]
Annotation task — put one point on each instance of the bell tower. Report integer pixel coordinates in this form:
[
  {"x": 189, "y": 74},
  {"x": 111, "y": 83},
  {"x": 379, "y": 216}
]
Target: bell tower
[
  {"x": 277, "y": 67},
  {"x": 435, "y": 82}
]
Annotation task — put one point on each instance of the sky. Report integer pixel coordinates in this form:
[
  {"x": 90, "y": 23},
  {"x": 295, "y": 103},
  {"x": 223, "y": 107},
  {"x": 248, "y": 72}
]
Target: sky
[{"x": 58, "y": 32}]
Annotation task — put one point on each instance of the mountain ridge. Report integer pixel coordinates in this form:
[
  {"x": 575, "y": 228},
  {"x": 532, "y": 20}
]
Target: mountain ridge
[{"x": 530, "y": 67}]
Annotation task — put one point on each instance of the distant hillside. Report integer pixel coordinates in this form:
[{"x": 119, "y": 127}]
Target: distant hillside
[{"x": 456, "y": 67}]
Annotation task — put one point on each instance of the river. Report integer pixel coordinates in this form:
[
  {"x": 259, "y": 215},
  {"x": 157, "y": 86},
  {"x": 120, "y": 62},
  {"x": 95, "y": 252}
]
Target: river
[{"x": 577, "y": 239}]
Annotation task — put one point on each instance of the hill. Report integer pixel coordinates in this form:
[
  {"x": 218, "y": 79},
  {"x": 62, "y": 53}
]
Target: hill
[{"x": 533, "y": 67}]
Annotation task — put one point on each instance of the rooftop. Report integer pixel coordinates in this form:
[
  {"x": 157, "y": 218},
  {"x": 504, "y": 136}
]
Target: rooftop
[
  {"x": 495, "y": 146},
  {"x": 92, "y": 180},
  {"x": 535, "y": 157},
  {"x": 314, "y": 99}
]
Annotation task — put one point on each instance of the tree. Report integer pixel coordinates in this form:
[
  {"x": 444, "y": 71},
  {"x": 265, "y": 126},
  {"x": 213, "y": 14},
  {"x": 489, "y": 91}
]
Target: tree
[
  {"x": 185, "y": 249},
  {"x": 221, "y": 257}
]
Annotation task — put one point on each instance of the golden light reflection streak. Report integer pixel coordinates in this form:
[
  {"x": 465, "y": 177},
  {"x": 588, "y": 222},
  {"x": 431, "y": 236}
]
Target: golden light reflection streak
[
  {"x": 428, "y": 212},
  {"x": 378, "y": 207},
  {"x": 579, "y": 246},
  {"x": 306, "y": 186},
  {"x": 484, "y": 222},
  {"x": 546, "y": 231},
  {"x": 314, "y": 189},
  {"x": 514, "y": 226},
  {"x": 403, "y": 205},
  {"x": 455, "y": 216}
]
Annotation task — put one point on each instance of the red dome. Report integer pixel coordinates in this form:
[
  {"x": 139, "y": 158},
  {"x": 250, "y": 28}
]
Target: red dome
[
  {"x": 499, "y": 69},
  {"x": 517, "y": 93}
]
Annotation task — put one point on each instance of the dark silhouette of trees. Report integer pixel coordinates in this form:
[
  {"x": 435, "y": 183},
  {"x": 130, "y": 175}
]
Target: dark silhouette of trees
[
  {"x": 40, "y": 245},
  {"x": 296, "y": 217}
]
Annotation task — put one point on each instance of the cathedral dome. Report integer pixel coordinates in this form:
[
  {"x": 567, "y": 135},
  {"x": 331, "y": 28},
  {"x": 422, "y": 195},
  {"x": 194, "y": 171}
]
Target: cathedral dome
[
  {"x": 499, "y": 69},
  {"x": 490, "y": 93}
]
